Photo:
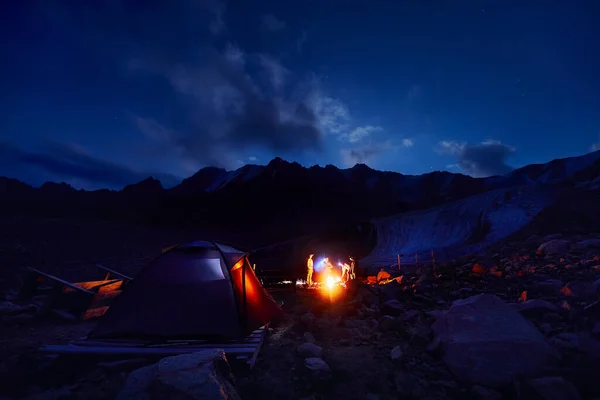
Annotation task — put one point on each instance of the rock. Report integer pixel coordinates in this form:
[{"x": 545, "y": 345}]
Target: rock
[
  {"x": 392, "y": 307},
  {"x": 318, "y": 369},
  {"x": 487, "y": 342},
  {"x": 309, "y": 337},
  {"x": 535, "y": 307},
  {"x": 437, "y": 313},
  {"x": 310, "y": 350},
  {"x": 396, "y": 353},
  {"x": 201, "y": 375},
  {"x": 387, "y": 323},
  {"x": 411, "y": 315},
  {"x": 11, "y": 309},
  {"x": 482, "y": 393},
  {"x": 550, "y": 286},
  {"x": 587, "y": 244},
  {"x": 565, "y": 341},
  {"x": 554, "y": 247},
  {"x": 554, "y": 388},
  {"x": 123, "y": 365},
  {"x": 307, "y": 318},
  {"x": 408, "y": 385}
]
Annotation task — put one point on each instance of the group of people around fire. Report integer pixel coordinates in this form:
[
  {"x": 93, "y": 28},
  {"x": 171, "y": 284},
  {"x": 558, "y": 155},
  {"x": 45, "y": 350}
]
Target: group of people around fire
[{"x": 348, "y": 269}]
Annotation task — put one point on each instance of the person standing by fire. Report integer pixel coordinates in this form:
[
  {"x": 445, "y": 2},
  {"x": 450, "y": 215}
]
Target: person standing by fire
[
  {"x": 353, "y": 268},
  {"x": 345, "y": 272},
  {"x": 328, "y": 267},
  {"x": 309, "y": 266}
]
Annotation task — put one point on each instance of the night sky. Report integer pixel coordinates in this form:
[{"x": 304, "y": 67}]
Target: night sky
[{"x": 105, "y": 93}]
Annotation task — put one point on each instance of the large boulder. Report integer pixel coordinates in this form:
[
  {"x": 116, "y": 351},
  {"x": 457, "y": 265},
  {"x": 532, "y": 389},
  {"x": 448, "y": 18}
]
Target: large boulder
[
  {"x": 489, "y": 343},
  {"x": 202, "y": 375},
  {"x": 554, "y": 247}
]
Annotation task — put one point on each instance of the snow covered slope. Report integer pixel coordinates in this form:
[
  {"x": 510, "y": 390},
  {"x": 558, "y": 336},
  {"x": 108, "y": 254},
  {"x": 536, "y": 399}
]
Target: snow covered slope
[{"x": 461, "y": 227}]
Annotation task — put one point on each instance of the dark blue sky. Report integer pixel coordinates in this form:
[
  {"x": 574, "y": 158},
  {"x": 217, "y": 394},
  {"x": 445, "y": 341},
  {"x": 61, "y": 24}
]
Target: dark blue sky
[{"x": 100, "y": 94}]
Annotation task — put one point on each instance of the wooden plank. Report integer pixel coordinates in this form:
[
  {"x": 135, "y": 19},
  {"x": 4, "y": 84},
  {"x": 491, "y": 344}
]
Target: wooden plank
[
  {"x": 138, "y": 351},
  {"x": 252, "y": 360},
  {"x": 65, "y": 283},
  {"x": 112, "y": 271}
]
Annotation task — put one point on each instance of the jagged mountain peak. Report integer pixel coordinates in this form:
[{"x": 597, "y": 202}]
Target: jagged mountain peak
[{"x": 148, "y": 185}]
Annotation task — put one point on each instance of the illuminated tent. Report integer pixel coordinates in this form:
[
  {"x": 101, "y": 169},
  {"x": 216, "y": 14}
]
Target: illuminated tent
[{"x": 201, "y": 289}]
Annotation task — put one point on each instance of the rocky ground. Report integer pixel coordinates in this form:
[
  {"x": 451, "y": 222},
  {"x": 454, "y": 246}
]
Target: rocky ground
[{"x": 521, "y": 321}]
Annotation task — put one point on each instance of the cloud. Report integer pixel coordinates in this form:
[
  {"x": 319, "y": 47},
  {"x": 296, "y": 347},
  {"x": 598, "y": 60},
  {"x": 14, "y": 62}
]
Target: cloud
[
  {"x": 232, "y": 112},
  {"x": 359, "y": 133},
  {"x": 72, "y": 163},
  {"x": 272, "y": 24},
  {"x": 595, "y": 147},
  {"x": 153, "y": 129},
  {"x": 408, "y": 142},
  {"x": 481, "y": 160},
  {"x": 364, "y": 154},
  {"x": 332, "y": 114},
  {"x": 276, "y": 72},
  {"x": 301, "y": 41},
  {"x": 414, "y": 93},
  {"x": 216, "y": 24}
]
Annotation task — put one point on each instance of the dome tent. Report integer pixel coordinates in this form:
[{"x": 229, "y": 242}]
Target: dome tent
[{"x": 199, "y": 290}]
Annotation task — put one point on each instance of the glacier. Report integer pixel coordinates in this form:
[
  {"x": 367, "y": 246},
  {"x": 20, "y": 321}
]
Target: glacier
[{"x": 454, "y": 229}]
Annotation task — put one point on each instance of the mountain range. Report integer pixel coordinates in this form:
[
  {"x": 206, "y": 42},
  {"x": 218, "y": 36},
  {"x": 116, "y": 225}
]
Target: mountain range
[{"x": 281, "y": 193}]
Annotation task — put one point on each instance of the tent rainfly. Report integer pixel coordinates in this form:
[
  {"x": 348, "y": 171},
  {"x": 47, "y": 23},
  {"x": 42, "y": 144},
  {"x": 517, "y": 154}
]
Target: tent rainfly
[{"x": 199, "y": 290}]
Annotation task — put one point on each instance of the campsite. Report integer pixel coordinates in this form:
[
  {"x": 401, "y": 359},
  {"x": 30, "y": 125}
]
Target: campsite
[
  {"x": 299, "y": 200},
  {"x": 382, "y": 335}
]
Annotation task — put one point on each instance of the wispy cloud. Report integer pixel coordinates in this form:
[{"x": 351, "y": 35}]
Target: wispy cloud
[
  {"x": 359, "y": 133},
  {"x": 277, "y": 73},
  {"x": 480, "y": 160},
  {"x": 233, "y": 112},
  {"x": 364, "y": 154},
  {"x": 408, "y": 142},
  {"x": 272, "y": 23},
  {"x": 69, "y": 162},
  {"x": 301, "y": 41},
  {"x": 217, "y": 10}
]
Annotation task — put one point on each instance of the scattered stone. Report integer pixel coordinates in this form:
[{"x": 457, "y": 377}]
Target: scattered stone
[
  {"x": 318, "y": 369},
  {"x": 308, "y": 318},
  {"x": 308, "y": 349},
  {"x": 554, "y": 247},
  {"x": 392, "y": 307},
  {"x": 309, "y": 337},
  {"x": 550, "y": 286},
  {"x": 535, "y": 307},
  {"x": 201, "y": 375},
  {"x": 483, "y": 393},
  {"x": 387, "y": 323},
  {"x": 411, "y": 315},
  {"x": 488, "y": 342},
  {"x": 408, "y": 385},
  {"x": 123, "y": 365},
  {"x": 396, "y": 353},
  {"x": 554, "y": 388},
  {"x": 587, "y": 244}
]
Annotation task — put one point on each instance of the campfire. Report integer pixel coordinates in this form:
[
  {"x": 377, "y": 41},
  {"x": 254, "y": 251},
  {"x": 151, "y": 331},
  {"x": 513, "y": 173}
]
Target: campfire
[{"x": 327, "y": 278}]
